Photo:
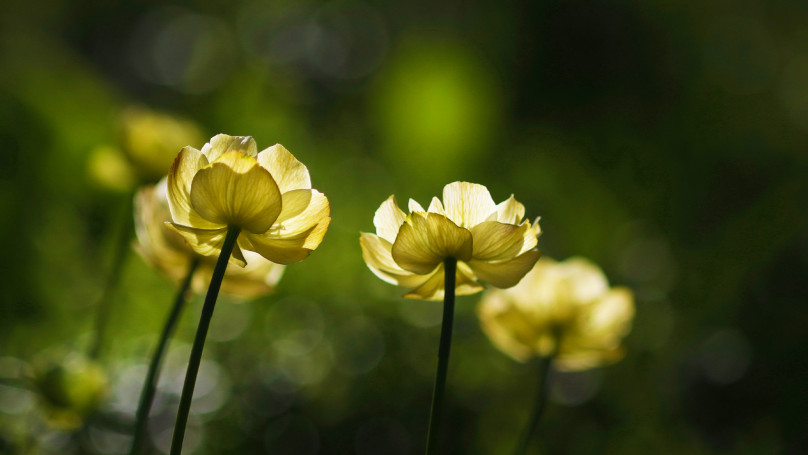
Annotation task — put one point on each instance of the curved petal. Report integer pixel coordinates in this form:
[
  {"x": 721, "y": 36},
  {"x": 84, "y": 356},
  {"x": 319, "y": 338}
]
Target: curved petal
[
  {"x": 236, "y": 191},
  {"x": 467, "y": 204},
  {"x": 286, "y": 249},
  {"x": 426, "y": 239},
  {"x": 431, "y": 289},
  {"x": 494, "y": 241},
  {"x": 222, "y": 143},
  {"x": 288, "y": 172},
  {"x": 504, "y": 274},
  {"x": 301, "y": 211},
  {"x": 414, "y": 206},
  {"x": 207, "y": 242},
  {"x": 582, "y": 280},
  {"x": 388, "y": 219},
  {"x": 178, "y": 187},
  {"x": 510, "y": 211},
  {"x": 436, "y": 207},
  {"x": 377, "y": 254}
]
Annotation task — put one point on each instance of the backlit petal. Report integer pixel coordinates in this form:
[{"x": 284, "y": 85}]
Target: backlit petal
[
  {"x": 302, "y": 210},
  {"x": 236, "y": 191},
  {"x": 425, "y": 240},
  {"x": 467, "y": 204},
  {"x": 504, "y": 274},
  {"x": 377, "y": 254},
  {"x": 288, "y": 172},
  {"x": 434, "y": 288},
  {"x": 414, "y": 206},
  {"x": 286, "y": 249},
  {"x": 388, "y": 219},
  {"x": 510, "y": 211},
  {"x": 222, "y": 143},
  {"x": 208, "y": 242},
  {"x": 436, "y": 207},
  {"x": 496, "y": 241},
  {"x": 180, "y": 175}
]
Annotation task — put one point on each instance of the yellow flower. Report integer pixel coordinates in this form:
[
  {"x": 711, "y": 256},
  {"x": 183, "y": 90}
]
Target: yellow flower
[
  {"x": 150, "y": 139},
  {"x": 490, "y": 242},
  {"x": 568, "y": 301},
  {"x": 169, "y": 253},
  {"x": 267, "y": 195}
]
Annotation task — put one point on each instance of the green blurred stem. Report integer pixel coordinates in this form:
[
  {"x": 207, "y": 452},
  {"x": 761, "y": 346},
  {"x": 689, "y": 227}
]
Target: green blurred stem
[
  {"x": 545, "y": 365},
  {"x": 436, "y": 413},
  {"x": 104, "y": 304},
  {"x": 150, "y": 384},
  {"x": 199, "y": 340}
]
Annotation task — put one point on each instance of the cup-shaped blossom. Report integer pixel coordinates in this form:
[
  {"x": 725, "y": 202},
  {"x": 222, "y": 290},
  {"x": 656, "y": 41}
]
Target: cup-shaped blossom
[
  {"x": 170, "y": 254},
  {"x": 491, "y": 242},
  {"x": 267, "y": 195},
  {"x": 566, "y": 308}
]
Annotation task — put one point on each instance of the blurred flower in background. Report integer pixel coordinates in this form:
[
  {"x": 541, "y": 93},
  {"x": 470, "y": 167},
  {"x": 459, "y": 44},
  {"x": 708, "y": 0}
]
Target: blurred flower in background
[
  {"x": 168, "y": 252},
  {"x": 267, "y": 195},
  {"x": 70, "y": 389},
  {"x": 147, "y": 142},
  {"x": 563, "y": 308},
  {"x": 491, "y": 242}
]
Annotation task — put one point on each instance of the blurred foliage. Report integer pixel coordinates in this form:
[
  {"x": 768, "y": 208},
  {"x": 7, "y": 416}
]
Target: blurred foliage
[{"x": 666, "y": 141}]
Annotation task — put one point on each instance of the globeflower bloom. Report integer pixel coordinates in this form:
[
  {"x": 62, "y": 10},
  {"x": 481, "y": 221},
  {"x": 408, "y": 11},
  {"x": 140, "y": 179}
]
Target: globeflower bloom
[
  {"x": 266, "y": 195},
  {"x": 169, "y": 253},
  {"x": 490, "y": 242},
  {"x": 561, "y": 309}
]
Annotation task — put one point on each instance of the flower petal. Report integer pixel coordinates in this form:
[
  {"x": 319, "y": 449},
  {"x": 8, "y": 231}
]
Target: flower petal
[
  {"x": 222, "y": 143},
  {"x": 505, "y": 274},
  {"x": 236, "y": 191},
  {"x": 207, "y": 242},
  {"x": 288, "y": 172},
  {"x": 377, "y": 254},
  {"x": 301, "y": 211},
  {"x": 467, "y": 204},
  {"x": 434, "y": 288},
  {"x": 286, "y": 249},
  {"x": 495, "y": 241},
  {"x": 426, "y": 239},
  {"x": 414, "y": 206},
  {"x": 388, "y": 219},
  {"x": 436, "y": 207},
  {"x": 510, "y": 211},
  {"x": 178, "y": 186}
]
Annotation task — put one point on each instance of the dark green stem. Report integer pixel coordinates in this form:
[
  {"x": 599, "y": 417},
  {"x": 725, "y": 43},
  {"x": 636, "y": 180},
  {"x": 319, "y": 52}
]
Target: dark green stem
[
  {"x": 104, "y": 304},
  {"x": 436, "y": 412},
  {"x": 545, "y": 365},
  {"x": 150, "y": 384},
  {"x": 199, "y": 340}
]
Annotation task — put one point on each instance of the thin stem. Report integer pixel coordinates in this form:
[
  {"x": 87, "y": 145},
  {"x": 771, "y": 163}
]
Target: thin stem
[
  {"x": 150, "y": 384},
  {"x": 436, "y": 412},
  {"x": 545, "y": 365},
  {"x": 104, "y": 304},
  {"x": 199, "y": 340}
]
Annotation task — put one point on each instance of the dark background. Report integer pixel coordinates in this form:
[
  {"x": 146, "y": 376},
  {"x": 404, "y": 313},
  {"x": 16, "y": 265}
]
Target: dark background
[{"x": 666, "y": 142}]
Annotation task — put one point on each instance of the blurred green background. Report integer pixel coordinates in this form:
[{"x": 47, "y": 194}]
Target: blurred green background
[{"x": 666, "y": 141}]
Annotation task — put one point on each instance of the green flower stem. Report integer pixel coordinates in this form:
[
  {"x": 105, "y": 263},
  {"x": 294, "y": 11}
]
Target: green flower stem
[
  {"x": 150, "y": 384},
  {"x": 545, "y": 365},
  {"x": 199, "y": 340},
  {"x": 104, "y": 304},
  {"x": 436, "y": 412}
]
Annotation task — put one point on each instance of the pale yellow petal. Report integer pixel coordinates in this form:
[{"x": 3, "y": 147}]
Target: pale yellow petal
[
  {"x": 388, "y": 219},
  {"x": 222, "y": 143},
  {"x": 608, "y": 320},
  {"x": 286, "y": 249},
  {"x": 236, "y": 191},
  {"x": 510, "y": 211},
  {"x": 288, "y": 172},
  {"x": 504, "y": 274},
  {"x": 208, "y": 242},
  {"x": 436, "y": 207},
  {"x": 425, "y": 240},
  {"x": 494, "y": 241},
  {"x": 377, "y": 254},
  {"x": 180, "y": 175},
  {"x": 583, "y": 281},
  {"x": 414, "y": 206},
  {"x": 302, "y": 210},
  {"x": 431, "y": 289},
  {"x": 467, "y": 204}
]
